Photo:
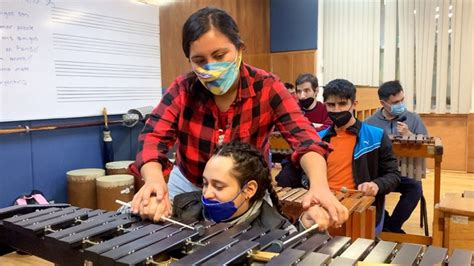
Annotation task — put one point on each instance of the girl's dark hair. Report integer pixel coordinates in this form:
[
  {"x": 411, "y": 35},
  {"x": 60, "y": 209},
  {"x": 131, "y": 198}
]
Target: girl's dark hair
[
  {"x": 203, "y": 20},
  {"x": 249, "y": 164}
]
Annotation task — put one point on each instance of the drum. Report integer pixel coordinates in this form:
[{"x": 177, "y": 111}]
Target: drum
[
  {"x": 121, "y": 167},
  {"x": 117, "y": 167},
  {"x": 114, "y": 187},
  {"x": 81, "y": 187}
]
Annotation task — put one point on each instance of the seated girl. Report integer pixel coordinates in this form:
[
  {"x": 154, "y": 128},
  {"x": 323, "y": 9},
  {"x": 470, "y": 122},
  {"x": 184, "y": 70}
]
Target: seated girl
[{"x": 235, "y": 182}]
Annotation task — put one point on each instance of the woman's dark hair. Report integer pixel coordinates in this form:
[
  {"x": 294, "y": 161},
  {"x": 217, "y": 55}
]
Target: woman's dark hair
[
  {"x": 249, "y": 164},
  {"x": 203, "y": 20}
]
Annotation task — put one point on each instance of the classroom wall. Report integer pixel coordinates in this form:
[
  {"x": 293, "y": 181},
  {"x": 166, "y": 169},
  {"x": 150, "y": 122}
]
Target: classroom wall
[
  {"x": 455, "y": 130},
  {"x": 39, "y": 160},
  {"x": 251, "y": 16},
  {"x": 293, "y": 48},
  {"x": 289, "y": 65},
  {"x": 255, "y": 18},
  {"x": 293, "y": 25}
]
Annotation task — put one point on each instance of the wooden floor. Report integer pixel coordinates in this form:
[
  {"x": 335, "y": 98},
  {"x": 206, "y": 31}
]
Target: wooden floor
[
  {"x": 451, "y": 182},
  {"x": 14, "y": 259}
]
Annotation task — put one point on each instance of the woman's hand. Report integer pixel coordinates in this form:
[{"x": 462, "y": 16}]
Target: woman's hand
[
  {"x": 155, "y": 209},
  {"x": 338, "y": 213},
  {"x": 316, "y": 215},
  {"x": 314, "y": 165},
  {"x": 152, "y": 201}
]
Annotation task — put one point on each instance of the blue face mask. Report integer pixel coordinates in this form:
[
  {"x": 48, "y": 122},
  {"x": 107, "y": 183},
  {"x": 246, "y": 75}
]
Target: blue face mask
[
  {"x": 398, "y": 109},
  {"x": 219, "y": 211}
]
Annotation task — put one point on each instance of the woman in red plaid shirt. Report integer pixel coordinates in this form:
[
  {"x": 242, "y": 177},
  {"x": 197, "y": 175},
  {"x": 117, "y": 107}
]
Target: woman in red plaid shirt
[{"x": 222, "y": 99}]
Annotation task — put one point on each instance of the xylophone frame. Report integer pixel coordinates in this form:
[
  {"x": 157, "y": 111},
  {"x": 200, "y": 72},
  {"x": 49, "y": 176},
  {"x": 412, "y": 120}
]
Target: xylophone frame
[{"x": 224, "y": 243}]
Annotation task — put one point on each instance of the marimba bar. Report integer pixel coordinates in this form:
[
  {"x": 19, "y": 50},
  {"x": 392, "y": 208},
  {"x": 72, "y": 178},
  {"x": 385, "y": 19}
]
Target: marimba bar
[
  {"x": 71, "y": 236},
  {"x": 361, "y": 222}
]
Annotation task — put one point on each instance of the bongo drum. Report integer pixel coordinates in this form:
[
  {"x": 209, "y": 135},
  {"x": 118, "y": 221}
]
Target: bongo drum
[
  {"x": 81, "y": 187},
  {"x": 117, "y": 167},
  {"x": 111, "y": 188}
]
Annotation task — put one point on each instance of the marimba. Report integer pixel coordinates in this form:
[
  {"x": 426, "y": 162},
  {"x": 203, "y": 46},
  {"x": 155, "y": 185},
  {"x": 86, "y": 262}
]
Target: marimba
[
  {"x": 361, "y": 222},
  {"x": 119, "y": 239},
  {"x": 419, "y": 146},
  {"x": 69, "y": 235}
]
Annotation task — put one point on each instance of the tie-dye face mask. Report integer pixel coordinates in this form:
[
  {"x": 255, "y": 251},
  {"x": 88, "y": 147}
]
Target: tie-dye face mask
[{"x": 219, "y": 77}]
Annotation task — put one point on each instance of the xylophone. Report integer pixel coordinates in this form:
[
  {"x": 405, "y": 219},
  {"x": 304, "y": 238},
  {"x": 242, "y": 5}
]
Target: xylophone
[
  {"x": 71, "y": 236},
  {"x": 410, "y": 149},
  {"x": 361, "y": 222}
]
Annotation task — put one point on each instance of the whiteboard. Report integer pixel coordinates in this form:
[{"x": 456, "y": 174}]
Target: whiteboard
[{"x": 72, "y": 58}]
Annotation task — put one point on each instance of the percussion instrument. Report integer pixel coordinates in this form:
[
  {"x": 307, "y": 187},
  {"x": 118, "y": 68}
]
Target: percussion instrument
[
  {"x": 72, "y": 236},
  {"x": 112, "y": 187},
  {"x": 361, "y": 221},
  {"x": 117, "y": 167},
  {"x": 411, "y": 151},
  {"x": 198, "y": 228},
  {"x": 121, "y": 167},
  {"x": 81, "y": 186}
]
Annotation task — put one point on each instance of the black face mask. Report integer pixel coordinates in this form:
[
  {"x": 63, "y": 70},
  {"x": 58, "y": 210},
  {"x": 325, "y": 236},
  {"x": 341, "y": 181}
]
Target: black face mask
[
  {"x": 306, "y": 103},
  {"x": 340, "y": 118}
]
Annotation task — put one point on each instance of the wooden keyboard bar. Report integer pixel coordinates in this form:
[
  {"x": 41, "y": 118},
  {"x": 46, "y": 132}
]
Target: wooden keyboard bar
[{"x": 361, "y": 222}]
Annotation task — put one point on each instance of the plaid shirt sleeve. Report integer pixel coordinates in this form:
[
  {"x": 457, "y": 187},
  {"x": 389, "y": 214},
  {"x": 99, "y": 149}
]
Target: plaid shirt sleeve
[
  {"x": 294, "y": 126},
  {"x": 160, "y": 131}
]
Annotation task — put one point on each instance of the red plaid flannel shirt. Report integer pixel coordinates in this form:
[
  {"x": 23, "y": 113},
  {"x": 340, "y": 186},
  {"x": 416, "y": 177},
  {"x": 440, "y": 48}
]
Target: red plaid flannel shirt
[{"x": 182, "y": 118}]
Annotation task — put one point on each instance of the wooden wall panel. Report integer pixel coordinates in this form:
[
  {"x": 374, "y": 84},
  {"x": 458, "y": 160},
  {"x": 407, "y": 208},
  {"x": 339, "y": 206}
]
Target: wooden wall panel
[
  {"x": 252, "y": 17},
  {"x": 261, "y": 61},
  {"x": 470, "y": 143},
  {"x": 367, "y": 98},
  {"x": 452, "y": 131},
  {"x": 303, "y": 62},
  {"x": 282, "y": 65},
  {"x": 368, "y": 101},
  {"x": 288, "y": 65}
]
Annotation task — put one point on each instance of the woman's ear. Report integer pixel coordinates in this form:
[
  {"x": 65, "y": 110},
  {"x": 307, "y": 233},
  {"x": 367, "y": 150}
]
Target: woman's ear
[
  {"x": 242, "y": 47},
  {"x": 250, "y": 189}
]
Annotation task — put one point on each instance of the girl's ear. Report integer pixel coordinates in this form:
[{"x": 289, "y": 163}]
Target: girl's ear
[{"x": 250, "y": 189}]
